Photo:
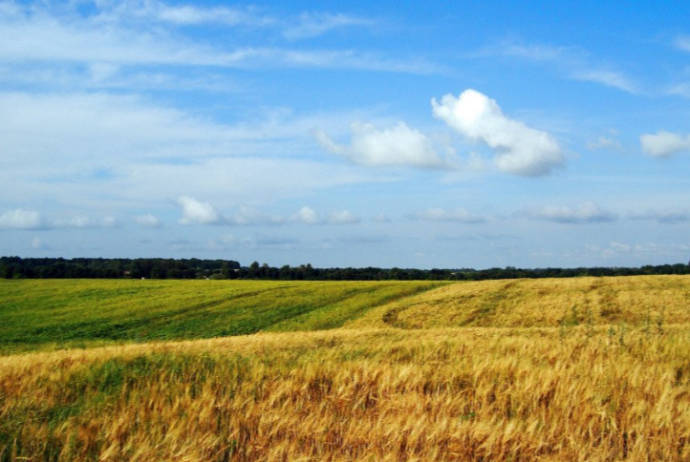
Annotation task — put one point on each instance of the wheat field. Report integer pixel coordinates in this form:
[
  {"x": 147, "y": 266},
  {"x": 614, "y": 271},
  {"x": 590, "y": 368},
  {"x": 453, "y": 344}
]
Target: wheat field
[{"x": 394, "y": 384}]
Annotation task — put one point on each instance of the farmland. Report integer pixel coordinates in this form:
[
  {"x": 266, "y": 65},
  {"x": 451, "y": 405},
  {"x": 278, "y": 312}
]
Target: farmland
[
  {"x": 57, "y": 314},
  {"x": 592, "y": 369}
]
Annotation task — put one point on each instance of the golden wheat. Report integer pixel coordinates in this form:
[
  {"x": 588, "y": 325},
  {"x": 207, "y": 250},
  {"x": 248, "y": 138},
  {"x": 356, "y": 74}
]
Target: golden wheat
[
  {"x": 583, "y": 394},
  {"x": 635, "y": 300}
]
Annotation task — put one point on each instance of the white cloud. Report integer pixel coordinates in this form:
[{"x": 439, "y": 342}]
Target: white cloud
[
  {"x": 608, "y": 78},
  {"x": 584, "y": 213},
  {"x": 251, "y": 216},
  {"x": 681, "y": 89},
  {"x": 83, "y": 222},
  {"x": 617, "y": 246},
  {"x": 21, "y": 219},
  {"x": 148, "y": 221},
  {"x": 664, "y": 144},
  {"x": 307, "y": 215},
  {"x": 342, "y": 217},
  {"x": 527, "y": 52},
  {"x": 306, "y": 25},
  {"x": 605, "y": 143},
  {"x": 312, "y": 25},
  {"x": 458, "y": 215},
  {"x": 574, "y": 63},
  {"x": 661, "y": 216},
  {"x": 196, "y": 212},
  {"x": 183, "y": 15},
  {"x": 40, "y": 35},
  {"x": 519, "y": 149},
  {"x": 73, "y": 222},
  {"x": 151, "y": 150},
  {"x": 396, "y": 146},
  {"x": 682, "y": 43},
  {"x": 30, "y": 219},
  {"x": 645, "y": 250},
  {"x": 38, "y": 244},
  {"x": 48, "y": 39}
]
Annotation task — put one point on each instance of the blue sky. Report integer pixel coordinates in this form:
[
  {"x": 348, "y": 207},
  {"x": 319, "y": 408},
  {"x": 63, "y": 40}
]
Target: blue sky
[{"x": 409, "y": 134}]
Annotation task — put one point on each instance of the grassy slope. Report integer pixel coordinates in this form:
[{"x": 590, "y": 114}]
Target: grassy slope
[{"x": 37, "y": 313}]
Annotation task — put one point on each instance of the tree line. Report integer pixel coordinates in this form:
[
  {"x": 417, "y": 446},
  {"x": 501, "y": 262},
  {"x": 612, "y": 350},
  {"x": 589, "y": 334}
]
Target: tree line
[{"x": 167, "y": 268}]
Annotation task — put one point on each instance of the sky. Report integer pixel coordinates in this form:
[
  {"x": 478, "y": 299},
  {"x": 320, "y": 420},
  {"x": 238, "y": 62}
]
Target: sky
[{"x": 406, "y": 134}]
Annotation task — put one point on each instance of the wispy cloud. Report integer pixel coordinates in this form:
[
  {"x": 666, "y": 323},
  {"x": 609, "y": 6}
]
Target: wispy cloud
[
  {"x": 312, "y": 24},
  {"x": 682, "y": 42},
  {"x": 584, "y": 213},
  {"x": 148, "y": 221},
  {"x": 41, "y": 34},
  {"x": 680, "y": 89},
  {"x": 607, "y": 143},
  {"x": 302, "y": 26},
  {"x": 459, "y": 215},
  {"x": 671, "y": 217},
  {"x": 181, "y": 15},
  {"x": 608, "y": 78},
  {"x": 574, "y": 63},
  {"x": 34, "y": 220}
]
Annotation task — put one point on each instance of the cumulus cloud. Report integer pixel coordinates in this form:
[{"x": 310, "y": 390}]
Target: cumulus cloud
[
  {"x": 584, "y": 213},
  {"x": 396, "y": 146},
  {"x": 664, "y": 144},
  {"x": 519, "y": 149},
  {"x": 21, "y": 219},
  {"x": 458, "y": 215},
  {"x": 148, "y": 221},
  {"x": 196, "y": 212}
]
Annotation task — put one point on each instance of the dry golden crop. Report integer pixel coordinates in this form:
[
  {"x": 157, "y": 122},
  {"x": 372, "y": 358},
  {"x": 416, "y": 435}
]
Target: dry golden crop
[
  {"x": 431, "y": 395},
  {"x": 583, "y": 389}
]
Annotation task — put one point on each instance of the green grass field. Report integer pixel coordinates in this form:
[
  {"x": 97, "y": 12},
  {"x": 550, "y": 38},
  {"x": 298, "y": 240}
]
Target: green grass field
[{"x": 50, "y": 314}]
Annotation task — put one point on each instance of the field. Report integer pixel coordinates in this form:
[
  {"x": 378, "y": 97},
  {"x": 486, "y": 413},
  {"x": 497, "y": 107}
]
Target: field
[
  {"x": 555, "y": 370},
  {"x": 36, "y": 314}
]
